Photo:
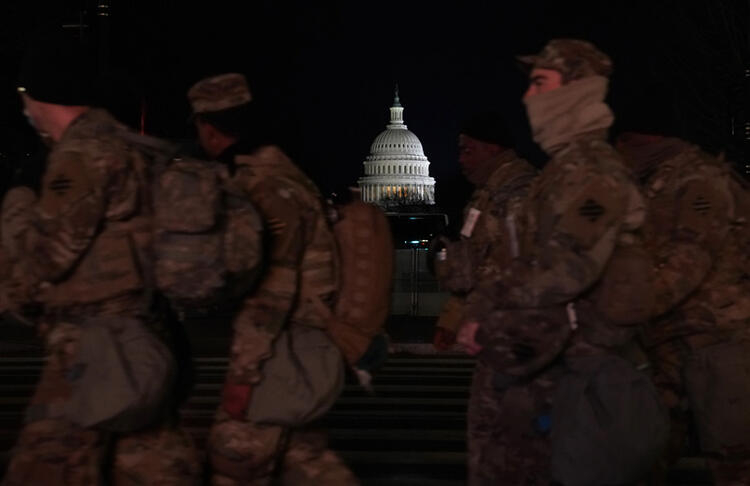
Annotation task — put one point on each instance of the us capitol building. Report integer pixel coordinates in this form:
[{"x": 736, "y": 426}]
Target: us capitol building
[{"x": 397, "y": 171}]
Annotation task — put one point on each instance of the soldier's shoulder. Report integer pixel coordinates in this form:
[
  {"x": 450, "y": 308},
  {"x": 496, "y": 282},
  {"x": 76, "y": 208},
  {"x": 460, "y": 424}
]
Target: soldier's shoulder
[
  {"x": 94, "y": 136},
  {"x": 595, "y": 160},
  {"x": 273, "y": 189},
  {"x": 512, "y": 190},
  {"x": 694, "y": 164}
]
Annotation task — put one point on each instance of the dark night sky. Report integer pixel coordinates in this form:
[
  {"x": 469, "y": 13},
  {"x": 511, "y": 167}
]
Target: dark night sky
[{"x": 330, "y": 69}]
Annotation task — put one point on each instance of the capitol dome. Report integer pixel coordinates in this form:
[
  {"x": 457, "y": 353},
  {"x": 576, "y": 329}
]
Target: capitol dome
[
  {"x": 397, "y": 142},
  {"x": 397, "y": 170}
]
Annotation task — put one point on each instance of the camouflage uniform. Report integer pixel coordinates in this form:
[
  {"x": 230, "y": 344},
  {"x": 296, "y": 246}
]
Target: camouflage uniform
[
  {"x": 79, "y": 253},
  {"x": 489, "y": 240},
  {"x": 301, "y": 269},
  {"x": 697, "y": 233},
  {"x": 579, "y": 212}
]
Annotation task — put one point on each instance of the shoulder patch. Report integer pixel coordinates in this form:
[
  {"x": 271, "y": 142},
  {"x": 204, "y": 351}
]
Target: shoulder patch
[
  {"x": 65, "y": 182},
  {"x": 701, "y": 204},
  {"x": 591, "y": 210},
  {"x": 596, "y": 209},
  {"x": 704, "y": 210}
]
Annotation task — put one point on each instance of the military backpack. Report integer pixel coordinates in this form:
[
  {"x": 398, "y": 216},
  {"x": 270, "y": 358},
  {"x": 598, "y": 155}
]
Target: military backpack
[
  {"x": 365, "y": 250},
  {"x": 207, "y": 235},
  {"x": 355, "y": 302}
]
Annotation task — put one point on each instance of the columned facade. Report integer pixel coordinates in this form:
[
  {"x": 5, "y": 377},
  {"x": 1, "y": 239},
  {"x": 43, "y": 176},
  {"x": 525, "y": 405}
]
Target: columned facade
[{"x": 397, "y": 171}]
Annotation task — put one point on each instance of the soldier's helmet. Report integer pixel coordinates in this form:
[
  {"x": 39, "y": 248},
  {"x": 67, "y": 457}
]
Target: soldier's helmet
[
  {"x": 573, "y": 58},
  {"x": 219, "y": 93}
]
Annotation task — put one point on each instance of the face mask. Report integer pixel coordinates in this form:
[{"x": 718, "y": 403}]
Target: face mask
[{"x": 558, "y": 116}]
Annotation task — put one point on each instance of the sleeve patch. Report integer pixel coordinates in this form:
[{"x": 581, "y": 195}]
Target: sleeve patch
[
  {"x": 591, "y": 210},
  {"x": 598, "y": 208},
  {"x": 66, "y": 182},
  {"x": 701, "y": 205},
  {"x": 704, "y": 211},
  {"x": 60, "y": 184}
]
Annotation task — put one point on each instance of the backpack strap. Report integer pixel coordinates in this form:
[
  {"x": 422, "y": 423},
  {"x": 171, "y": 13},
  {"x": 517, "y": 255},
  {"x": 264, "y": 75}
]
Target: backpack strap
[
  {"x": 320, "y": 307},
  {"x": 160, "y": 151},
  {"x": 156, "y": 155}
]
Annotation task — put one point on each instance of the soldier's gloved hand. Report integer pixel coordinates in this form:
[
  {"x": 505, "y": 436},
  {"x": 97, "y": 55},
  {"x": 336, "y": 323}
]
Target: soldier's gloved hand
[
  {"x": 467, "y": 337},
  {"x": 443, "y": 339},
  {"x": 235, "y": 398}
]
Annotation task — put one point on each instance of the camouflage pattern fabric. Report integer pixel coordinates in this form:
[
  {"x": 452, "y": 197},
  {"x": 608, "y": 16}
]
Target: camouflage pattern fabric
[
  {"x": 489, "y": 241},
  {"x": 163, "y": 456},
  {"x": 246, "y": 454},
  {"x": 579, "y": 209},
  {"x": 219, "y": 93},
  {"x": 52, "y": 451},
  {"x": 522, "y": 342},
  {"x": 516, "y": 448},
  {"x": 692, "y": 231},
  {"x": 481, "y": 416},
  {"x": 668, "y": 360},
  {"x": 302, "y": 264},
  {"x": 573, "y": 58},
  {"x": 309, "y": 461},
  {"x": 64, "y": 453},
  {"x": 87, "y": 223},
  {"x": 16, "y": 211},
  {"x": 302, "y": 260},
  {"x": 85, "y": 240},
  {"x": 490, "y": 235},
  {"x": 451, "y": 314},
  {"x": 700, "y": 283}
]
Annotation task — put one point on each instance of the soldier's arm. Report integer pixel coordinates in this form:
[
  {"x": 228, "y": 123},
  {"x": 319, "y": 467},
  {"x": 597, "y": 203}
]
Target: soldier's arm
[
  {"x": 576, "y": 235},
  {"x": 528, "y": 339},
  {"x": 264, "y": 314},
  {"x": 702, "y": 216}
]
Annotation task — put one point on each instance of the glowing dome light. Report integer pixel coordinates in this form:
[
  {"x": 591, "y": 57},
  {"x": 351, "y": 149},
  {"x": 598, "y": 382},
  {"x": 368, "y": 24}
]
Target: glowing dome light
[{"x": 397, "y": 170}]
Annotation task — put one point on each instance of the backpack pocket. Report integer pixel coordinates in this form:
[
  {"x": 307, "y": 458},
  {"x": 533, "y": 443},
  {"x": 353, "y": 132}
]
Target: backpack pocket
[
  {"x": 187, "y": 197},
  {"x": 718, "y": 383},
  {"x": 608, "y": 424},
  {"x": 301, "y": 381}
]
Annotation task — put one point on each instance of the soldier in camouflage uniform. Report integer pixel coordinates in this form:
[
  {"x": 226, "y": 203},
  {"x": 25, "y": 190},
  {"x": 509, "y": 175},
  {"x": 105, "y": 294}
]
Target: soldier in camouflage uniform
[
  {"x": 301, "y": 270},
  {"x": 697, "y": 232},
  {"x": 77, "y": 251},
  {"x": 489, "y": 239},
  {"x": 579, "y": 212}
]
